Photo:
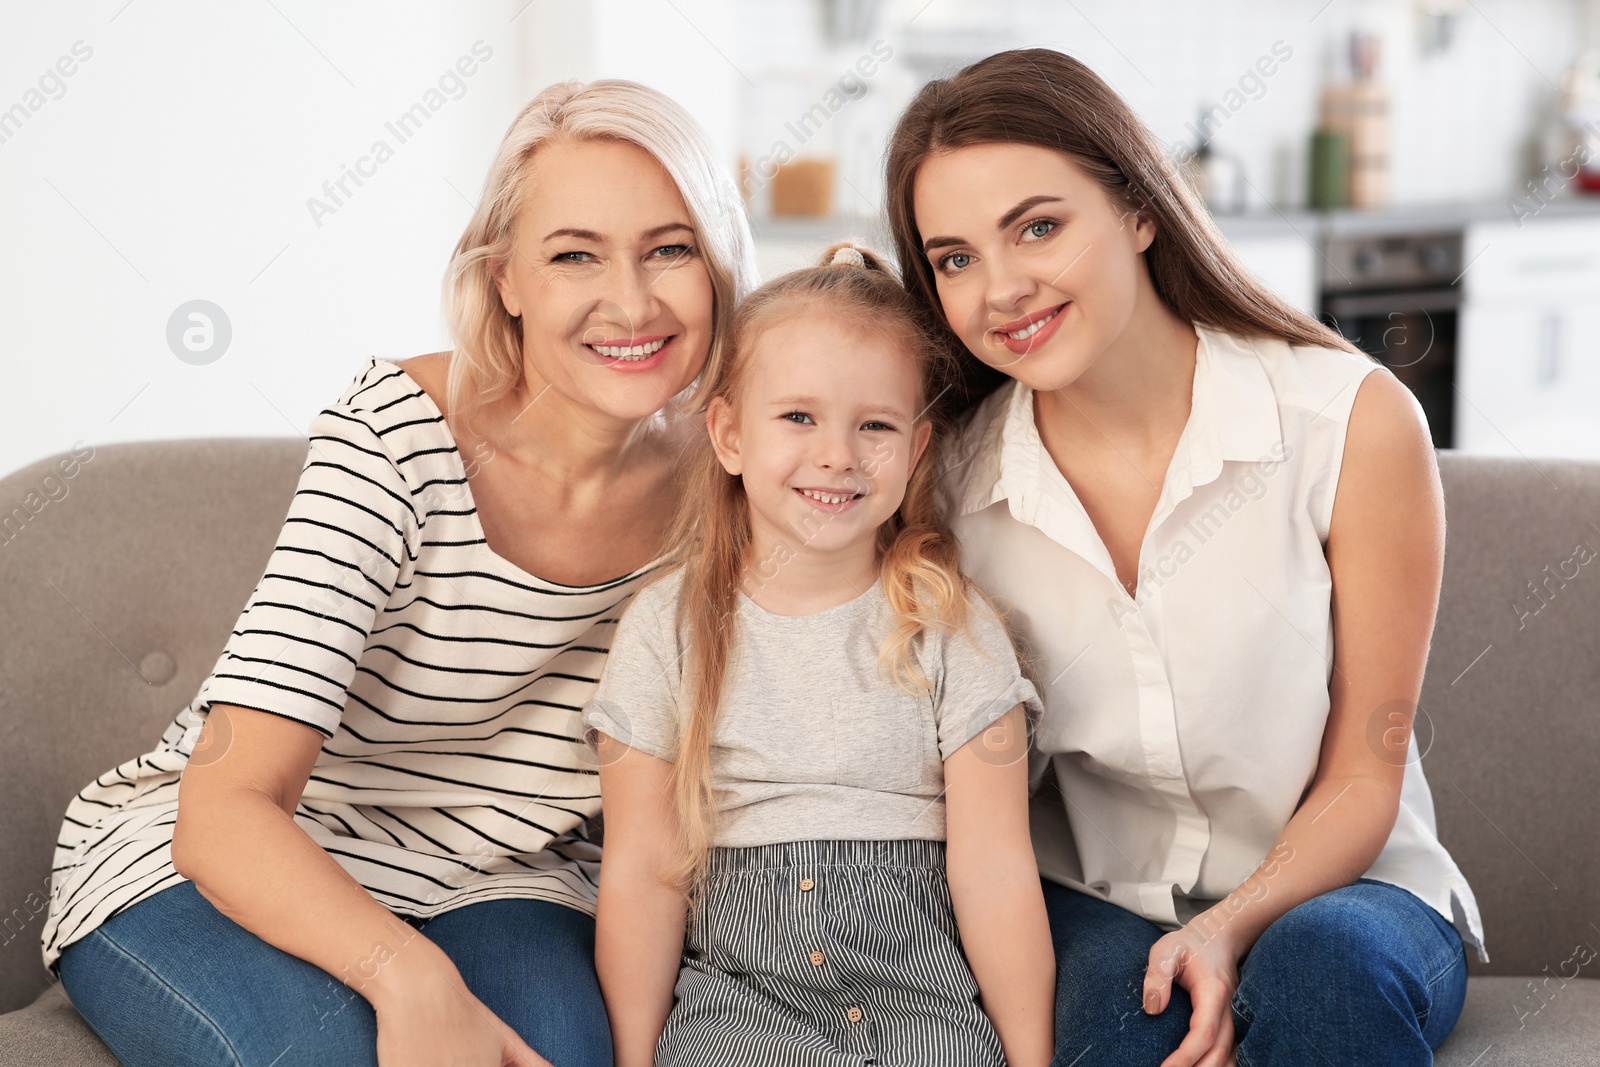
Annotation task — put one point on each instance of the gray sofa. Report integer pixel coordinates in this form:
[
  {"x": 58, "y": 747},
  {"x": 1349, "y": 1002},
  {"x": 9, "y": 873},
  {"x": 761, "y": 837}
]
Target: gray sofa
[{"x": 118, "y": 585}]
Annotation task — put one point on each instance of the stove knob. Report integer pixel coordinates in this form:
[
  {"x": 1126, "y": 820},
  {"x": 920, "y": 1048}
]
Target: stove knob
[
  {"x": 1434, "y": 257},
  {"x": 1367, "y": 260}
]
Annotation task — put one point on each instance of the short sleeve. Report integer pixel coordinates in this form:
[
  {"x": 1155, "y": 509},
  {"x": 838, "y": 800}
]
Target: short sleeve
[
  {"x": 350, "y": 531},
  {"x": 979, "y": 680},
  {"x": 636, "y": 701}
]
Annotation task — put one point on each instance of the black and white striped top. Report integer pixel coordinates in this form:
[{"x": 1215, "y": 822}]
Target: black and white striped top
[{"x": 447, "y": 681}]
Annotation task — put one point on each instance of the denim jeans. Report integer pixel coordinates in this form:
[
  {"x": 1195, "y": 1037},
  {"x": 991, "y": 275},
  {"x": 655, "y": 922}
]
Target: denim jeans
[
  {"x": 1364, "y": 975},
  {"x": 171, "y": 981}
]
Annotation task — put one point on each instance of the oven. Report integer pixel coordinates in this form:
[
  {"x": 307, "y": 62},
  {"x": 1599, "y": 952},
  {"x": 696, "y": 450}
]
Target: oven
[{"x": 1398, "y": 298}]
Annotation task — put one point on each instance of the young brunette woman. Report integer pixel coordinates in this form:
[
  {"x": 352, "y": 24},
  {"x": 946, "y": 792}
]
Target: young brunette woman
[
  {"x": 1221, "y": 531},
  {"x": 383, "y": 784}
]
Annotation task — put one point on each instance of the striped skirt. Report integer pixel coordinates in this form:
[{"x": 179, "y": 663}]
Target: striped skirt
[{"x": 827, "y": 954}]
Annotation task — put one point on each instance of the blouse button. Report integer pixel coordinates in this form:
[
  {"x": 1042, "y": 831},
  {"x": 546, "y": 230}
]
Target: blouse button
[
  {"x": 816, "y": 959},
  {"x": 853, "y": 1014},
  {"x": 807, "y": 885}
]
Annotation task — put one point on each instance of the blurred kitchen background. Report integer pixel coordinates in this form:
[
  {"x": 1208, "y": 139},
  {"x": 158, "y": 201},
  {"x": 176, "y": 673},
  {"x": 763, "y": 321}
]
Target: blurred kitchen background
[{"x": 1424, "y": 174}]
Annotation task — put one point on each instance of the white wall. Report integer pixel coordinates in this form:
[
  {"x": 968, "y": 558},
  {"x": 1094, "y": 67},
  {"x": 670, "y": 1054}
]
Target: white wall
[
  {"x": 179, "y": 159},
  {"x": 178, "y": 165},
  {"x": 685, "y": 48}
]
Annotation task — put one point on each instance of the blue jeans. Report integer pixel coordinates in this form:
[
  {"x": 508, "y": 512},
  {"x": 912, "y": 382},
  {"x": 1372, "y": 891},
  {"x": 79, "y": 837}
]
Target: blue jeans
[
  {"x": 171, "y": 981},
  {"x": 1365, "y": 975}
]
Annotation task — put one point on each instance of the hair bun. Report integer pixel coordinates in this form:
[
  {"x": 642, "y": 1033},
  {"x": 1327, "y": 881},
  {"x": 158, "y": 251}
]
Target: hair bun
[
  {"x": 848, "y": 255},
  {"x": 851, "y": 253}
]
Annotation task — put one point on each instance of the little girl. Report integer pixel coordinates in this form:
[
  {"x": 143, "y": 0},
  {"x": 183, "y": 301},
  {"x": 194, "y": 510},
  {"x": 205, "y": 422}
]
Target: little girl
[{"x": 812, "y": 730}]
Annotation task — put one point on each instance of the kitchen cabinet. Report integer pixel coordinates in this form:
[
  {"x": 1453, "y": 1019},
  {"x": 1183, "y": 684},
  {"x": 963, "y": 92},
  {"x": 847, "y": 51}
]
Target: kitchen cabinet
[
  {"x": 1528, "y": 369},
  {"x": 1284, "y": 263}
]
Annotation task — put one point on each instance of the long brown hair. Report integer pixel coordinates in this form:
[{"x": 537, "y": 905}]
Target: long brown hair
[
  {"x": 1036, "y": 96},
  {"x": 917, "y": 555}
]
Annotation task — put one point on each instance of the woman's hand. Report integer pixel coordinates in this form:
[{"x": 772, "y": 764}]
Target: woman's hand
[
  {"x": 456, "y": 1030},
  {"x": 433, "y": 1020},
  {"x": 1208, "y": 967}
]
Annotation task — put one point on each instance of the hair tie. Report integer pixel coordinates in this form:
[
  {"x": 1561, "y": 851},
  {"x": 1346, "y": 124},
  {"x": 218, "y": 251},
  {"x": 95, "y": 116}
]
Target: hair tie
[{"x": 848, "y": 256}]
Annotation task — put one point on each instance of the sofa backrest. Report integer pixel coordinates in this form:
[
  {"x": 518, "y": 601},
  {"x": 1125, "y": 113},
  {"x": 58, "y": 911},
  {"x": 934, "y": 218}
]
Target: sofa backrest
[
  {"x": 1513, "y": 698},
  {"x": 120, "y": 583}
]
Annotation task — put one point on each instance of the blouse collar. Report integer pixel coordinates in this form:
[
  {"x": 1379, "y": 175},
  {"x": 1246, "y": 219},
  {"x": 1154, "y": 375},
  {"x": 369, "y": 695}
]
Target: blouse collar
[{"x": 1233, "y": 416}]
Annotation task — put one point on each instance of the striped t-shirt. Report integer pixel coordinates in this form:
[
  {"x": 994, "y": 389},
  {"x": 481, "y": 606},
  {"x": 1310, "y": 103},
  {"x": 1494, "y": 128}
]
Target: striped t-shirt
[{"x": 447, "y": 680}]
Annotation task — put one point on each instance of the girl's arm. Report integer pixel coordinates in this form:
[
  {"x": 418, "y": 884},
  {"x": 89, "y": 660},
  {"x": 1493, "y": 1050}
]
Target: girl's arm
[
  {"x": 639, "y": 929},
  {"x": 1386, "y": 554},
  {"x": 994, "y": 884}
]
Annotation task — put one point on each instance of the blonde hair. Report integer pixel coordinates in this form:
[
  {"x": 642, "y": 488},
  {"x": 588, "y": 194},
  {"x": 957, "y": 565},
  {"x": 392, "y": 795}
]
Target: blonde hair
[
  {"x": 917, "y": 554},
  {"x": 488, "y": 339}
]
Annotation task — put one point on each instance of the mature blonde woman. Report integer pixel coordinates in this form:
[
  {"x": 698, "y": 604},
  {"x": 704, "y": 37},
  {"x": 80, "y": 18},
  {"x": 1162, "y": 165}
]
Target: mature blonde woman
[{"x": 365, "y": 840}]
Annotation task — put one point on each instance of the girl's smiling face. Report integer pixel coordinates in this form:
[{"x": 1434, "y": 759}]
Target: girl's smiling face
[
  {"x": 825, "y": 432},
  {"x": 607, "y": 276},
  {"x": 1037, "y": 269}
]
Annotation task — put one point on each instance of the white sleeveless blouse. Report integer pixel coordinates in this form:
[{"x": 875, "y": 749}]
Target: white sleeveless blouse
[{"x": 1183, "y": 726}]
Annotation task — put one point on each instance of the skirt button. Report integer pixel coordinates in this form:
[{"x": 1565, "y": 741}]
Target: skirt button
[
  {"x": 853, "y": 1014},
  {"x": 816, "y": 959},
  {"x": 807, "y": 885}
]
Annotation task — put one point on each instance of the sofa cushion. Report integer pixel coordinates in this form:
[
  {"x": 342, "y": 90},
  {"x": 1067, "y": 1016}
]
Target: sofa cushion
[
  {"x": 49, "y": 1033},
  {"x": 1507, "y": 1021}
]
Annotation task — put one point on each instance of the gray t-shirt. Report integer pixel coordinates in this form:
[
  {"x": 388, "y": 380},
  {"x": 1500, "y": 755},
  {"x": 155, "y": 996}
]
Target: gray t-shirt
[{"x": 812, "y": 742}]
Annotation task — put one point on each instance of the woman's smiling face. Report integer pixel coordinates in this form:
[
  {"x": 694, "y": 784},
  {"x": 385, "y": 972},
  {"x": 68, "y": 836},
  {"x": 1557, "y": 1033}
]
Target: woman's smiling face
[
  {"x": 607, "y": 276},
  {"x": 1037, "y": 269}
]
